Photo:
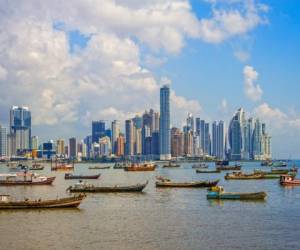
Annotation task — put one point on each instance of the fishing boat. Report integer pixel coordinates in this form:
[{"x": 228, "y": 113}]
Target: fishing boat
[
  {"x": 267, "y": 163},
  {"x": 228, "y": 168},
  {"x": 207, "y": 171},
  {"x": 273, "y": 171},
  {"x": 36, "y": 166},
  {"x": 171, "y": 165},
  {"x": 71, "y": 176},
  {"x": 164, "y": 182},
  {"x": 99, "y": 167},
  {"x": 219, "y": 194},
  {"x": 251, "y": 176},
  {"x": 140, "y": 167},
  {"x": 7, "y": 203},
  {"x": 25, "y": 179},
  {"x": 288, "y": 180},
  {"x": 119, "y": 166},
  {"x": 222, "y": 163},
  {"x": 62, "y": 167},
  {"x": 89, "y": 188},
  {"x": 279, "y": 164},
  {"x": 200, "y": 165}
]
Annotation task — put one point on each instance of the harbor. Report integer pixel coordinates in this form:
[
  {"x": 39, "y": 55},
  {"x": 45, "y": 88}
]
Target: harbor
[{"x": 156, "y": 218}]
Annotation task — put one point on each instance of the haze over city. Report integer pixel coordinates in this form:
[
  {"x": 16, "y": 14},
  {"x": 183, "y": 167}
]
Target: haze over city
[{"x": 70, "y": 69}]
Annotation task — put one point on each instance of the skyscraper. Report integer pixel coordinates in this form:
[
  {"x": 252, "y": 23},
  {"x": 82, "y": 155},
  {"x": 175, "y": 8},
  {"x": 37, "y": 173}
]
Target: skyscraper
[
  {"x": 34, "y": 142},
  {"x": 60, "y": 147},
  {"x": 72, "y": 148},
  {"x": 235, "y": 136},
  {"x": 177, "y": 142},
  {"x": 98, "y": 130},
  {"x": 3, "y": 142},
  {"x": 115, "y": 128},
  {"x": 207, "y": 141},
  {"x": 164, "y": 124},
  {"x": 218, "y": 140},
  {"x": 129, "y": 133},
  {"x": 190, "y": 122},
  {"x": 20, "y": 128},
  {"x": 257, "y": 139}
]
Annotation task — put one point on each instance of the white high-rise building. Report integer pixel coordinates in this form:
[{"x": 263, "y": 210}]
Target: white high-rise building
[{"x": 3, "y": 142}]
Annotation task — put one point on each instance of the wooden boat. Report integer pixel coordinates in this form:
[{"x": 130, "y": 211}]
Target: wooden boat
[
  {"x": 288, "y": 180},
  {"x": 200, "y": 165},
  {"x": 119, "y": 166},
  {"x": 71, "y": 176},
  {"x": 273, "y": 171},
  {"x": 85, "y": 187},
  {"x": 222, "y": 163},
  {"x": 140, "y": 167},
  {"x": 163, "y": 182},
  {"x": 207, "y": 171},
  {"x": 228, "y": 168},
  {"x": 171, "y": 165},
  {"x": 24, "y": 179},
  {"x": 7, "y": 203},
  {"x": 63, "y": 167},
  {"x": 36, "y": 167},
  {"x": 252, "y": 176},
  {"x": 219, "y": 194},
  {"x": 99, "y": 167}
]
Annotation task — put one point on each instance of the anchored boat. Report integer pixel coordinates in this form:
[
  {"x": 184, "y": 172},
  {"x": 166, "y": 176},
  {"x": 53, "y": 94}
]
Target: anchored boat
[
  {"x": 164, "y": 182},
  {"x": 207, "y": 171},
  {"x": 140, "y": 167},
  {"x": 288, "y": 180},
  {"x": 7, "y": 203},
  {"x": 25, "y": 179},
  {"x": 228, "y": 168},
  {"x": 89, "y": 188},
  {"x": 71, "y": 176},
  {"x": 171, "y": 165},
  {"x": 218, "y": 193},
  {"x": 99, "y": 167},
  {"x": 200, "y": 165},
  {"x": 252, "y": 176}
]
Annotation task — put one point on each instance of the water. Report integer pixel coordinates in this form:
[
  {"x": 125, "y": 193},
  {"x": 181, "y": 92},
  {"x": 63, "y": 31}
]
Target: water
[{"x": 157, "y": 218}]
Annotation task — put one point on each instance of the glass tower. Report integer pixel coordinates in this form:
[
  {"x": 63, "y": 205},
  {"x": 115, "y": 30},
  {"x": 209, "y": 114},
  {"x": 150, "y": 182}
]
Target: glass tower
[{"x": 164, "y": 124}]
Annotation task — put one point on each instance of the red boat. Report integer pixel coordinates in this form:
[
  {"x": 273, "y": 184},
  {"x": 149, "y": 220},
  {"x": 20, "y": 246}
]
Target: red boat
[
  {"x": 288, "y": 180},
  {"x": 25, "y": 179},
  {"x": 71, "y": 176}
]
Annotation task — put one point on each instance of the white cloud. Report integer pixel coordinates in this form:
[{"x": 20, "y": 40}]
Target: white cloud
[
  {"x": 105, "y": 78},
  {"x": 242, "y": 55},
  {"x": 252, "y": 90}
]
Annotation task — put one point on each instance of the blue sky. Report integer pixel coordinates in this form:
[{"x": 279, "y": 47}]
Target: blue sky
[{"x": 75, "y": 62}]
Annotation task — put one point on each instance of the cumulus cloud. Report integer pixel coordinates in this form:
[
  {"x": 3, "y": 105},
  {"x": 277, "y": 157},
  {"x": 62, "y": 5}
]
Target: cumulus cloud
[
  {"x": 106, "y": 77},
  {"x": 252, "y": 90}
]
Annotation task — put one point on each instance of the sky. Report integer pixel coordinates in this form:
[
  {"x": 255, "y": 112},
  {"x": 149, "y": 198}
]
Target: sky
[{"x": 72, "y": 62}]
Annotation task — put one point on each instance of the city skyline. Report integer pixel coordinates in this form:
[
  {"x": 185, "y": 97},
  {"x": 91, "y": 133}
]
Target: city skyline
[{"x": 72, "y": 72}]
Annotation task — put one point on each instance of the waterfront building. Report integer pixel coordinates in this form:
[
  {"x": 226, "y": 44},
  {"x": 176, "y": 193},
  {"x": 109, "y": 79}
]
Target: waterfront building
[
  {"x": 60, "y": 147},
  {"x": 218, "y": 140},
  {"x": 146, "y": 132},
  {"x": 129, "y": 133},
  {"x": 188, "y": 143},
  {"x": 190, "y": 123},
  {"x": 156, "y": 122},
  {"x": 104, "y": 146},
  {"x": 115, "y": 128},
  {"x": 84, "y": 150},
  {"x": 72, "y": 148},
  {"x": 177, "y": 142},
  {"x": 164, "y": 124},
  {"x": 137, "y": 122},
  {"x": 3, "y": 142},
  {"x": 120, "y": 148},
  {"x": 138, "y": 141},
  {"x": 207, "y": 140},
  {"x": 34, "y": 142},
  {"x": 20, "y": 128},
  {"x": 257, "y": 139},
  {"x": 98, "y": 130},
  {"x": 155, "y": 145},
  {"x": 197, "y": 151},
  {"x": 48, "y": 149},
  {"x": 88, "y": 140}
]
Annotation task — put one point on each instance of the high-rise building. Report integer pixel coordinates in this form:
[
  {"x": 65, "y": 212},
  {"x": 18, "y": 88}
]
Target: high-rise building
[
  {"x": 155, "y": 144},
  {"x": 48, "y": 149},
  {"x": 120, "y": 145},
  {"x": 3, "y": 142},
  {"x": 164, "y": 124},
  {"x": 177, "y": 142},
  {"x": 257, "y": 140},
  {"x": 98, "y": 130},
  {"x": 104, "y": 146},
  {"x": 72, "y": 148},
  {"x": 20, "y": 128},
  {"x": 138, "y": 141},
  {"x": 137, "y": 121},
  {"x": 236, "y": 135},
  {"x": 129, "y": 133},
  {"x": 60, "y": 147},
  {"x": 218, "y": 140},
  {"x": 207, "y": 141},
  {"x": 188, "y": 143},
  {"x": 156, "y": 122},
  {"x": 34, "y": 142},
  {"x": 115, "y": 128},
  {"x": 190, "y": 122}
]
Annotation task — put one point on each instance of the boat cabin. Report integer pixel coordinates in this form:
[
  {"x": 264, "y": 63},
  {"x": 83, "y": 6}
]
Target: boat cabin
[
  {"x": 284, "y": 178},
  {"x": 4, "y": 198}
]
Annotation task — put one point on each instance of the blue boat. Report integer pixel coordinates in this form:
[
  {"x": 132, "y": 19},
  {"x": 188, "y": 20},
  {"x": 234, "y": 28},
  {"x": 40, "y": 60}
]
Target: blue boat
[{"x": 217, "y": 193}]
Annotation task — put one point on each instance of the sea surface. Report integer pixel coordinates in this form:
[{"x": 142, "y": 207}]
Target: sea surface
[{"x": 156, "y": 218}]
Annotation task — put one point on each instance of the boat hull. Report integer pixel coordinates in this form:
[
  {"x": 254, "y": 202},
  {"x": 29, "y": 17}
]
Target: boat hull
[
  {"x": 236, "y": 196},
  {"x": 140, "y": 169},
  {"x": 200, "y": 184},
  {"x": 27, "y": 182},
  {"x": 74, "y": 177},
  {"x": 228, "y": 168},
  {"x": 59, "y": 203},
  {"x": 198, "y": 171}
]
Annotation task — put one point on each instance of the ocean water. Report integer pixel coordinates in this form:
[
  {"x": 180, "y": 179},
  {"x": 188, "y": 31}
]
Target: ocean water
[{"x": 156, "y": 218}]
